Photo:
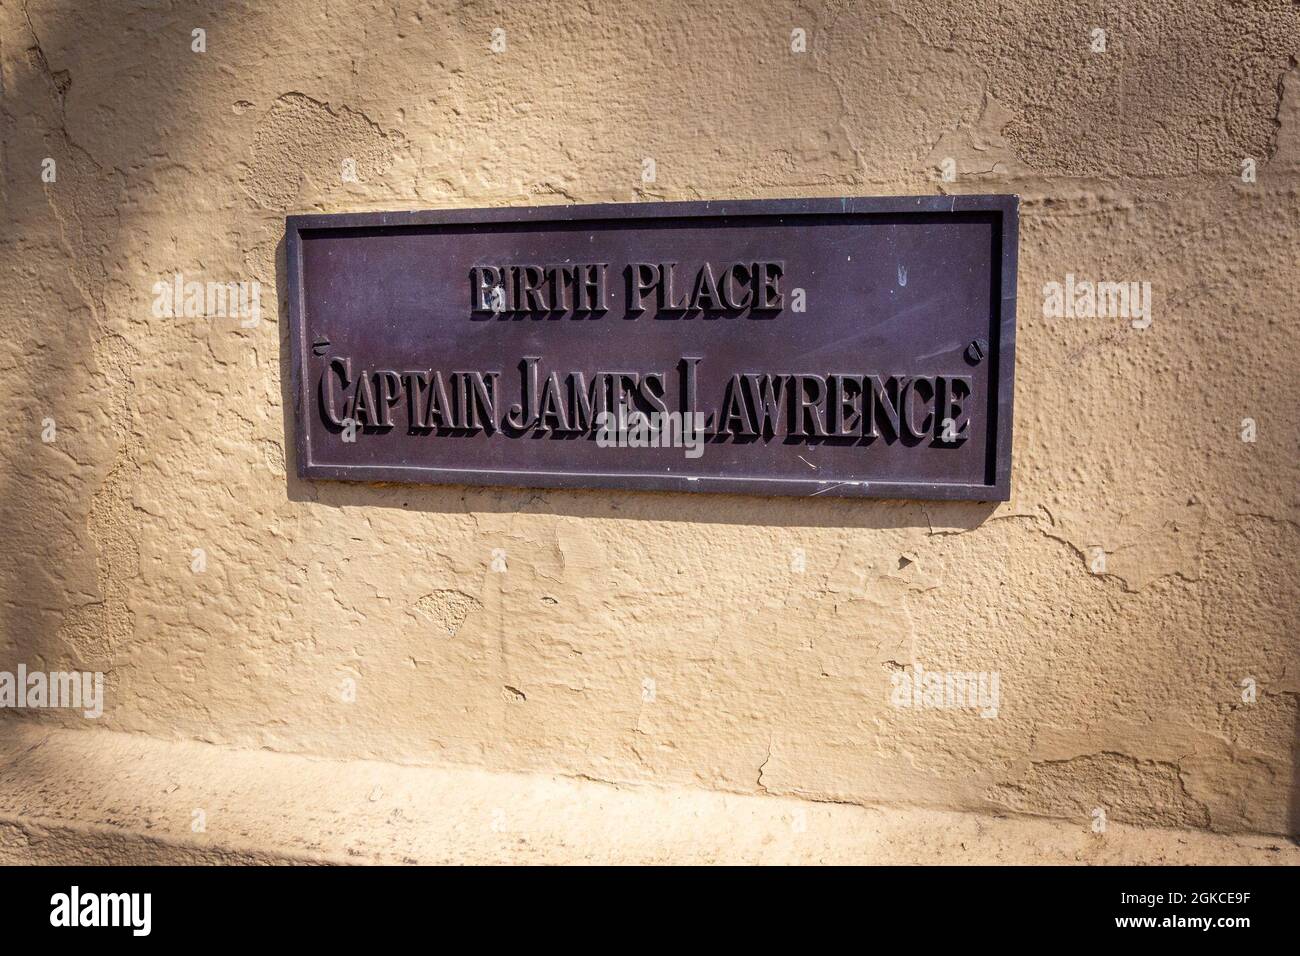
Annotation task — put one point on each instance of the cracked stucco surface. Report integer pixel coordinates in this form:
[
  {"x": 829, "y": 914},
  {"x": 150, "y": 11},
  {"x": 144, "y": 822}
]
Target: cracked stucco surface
[{"x": 1120, "y": 689}]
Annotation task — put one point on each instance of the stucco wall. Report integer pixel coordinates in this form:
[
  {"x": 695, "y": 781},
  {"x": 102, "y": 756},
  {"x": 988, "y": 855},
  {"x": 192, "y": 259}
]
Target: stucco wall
[{"x": 655, "y": 637}]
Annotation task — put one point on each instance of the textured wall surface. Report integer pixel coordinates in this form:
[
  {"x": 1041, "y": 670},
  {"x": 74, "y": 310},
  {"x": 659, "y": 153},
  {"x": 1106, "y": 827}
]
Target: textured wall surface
[{"x": 1141, "y": 582}]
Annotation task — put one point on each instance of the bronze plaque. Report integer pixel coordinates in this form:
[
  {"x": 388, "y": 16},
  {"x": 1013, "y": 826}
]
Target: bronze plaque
[{"x": 797, "y": 347}]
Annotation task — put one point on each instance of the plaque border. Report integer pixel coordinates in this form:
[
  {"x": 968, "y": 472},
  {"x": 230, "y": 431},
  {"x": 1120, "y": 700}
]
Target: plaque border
[{"x": 1006, "y": 206}]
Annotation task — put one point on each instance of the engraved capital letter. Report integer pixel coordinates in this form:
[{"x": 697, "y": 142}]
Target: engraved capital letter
[
  {"x": 343, "y": 368},
  {"x": 483, "y": 279},
  {"x": 645, "y": 277},
  {"x": 523, "y": 415}
]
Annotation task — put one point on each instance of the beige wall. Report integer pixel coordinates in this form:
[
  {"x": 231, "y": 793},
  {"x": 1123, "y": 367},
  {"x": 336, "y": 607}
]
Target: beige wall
[{"x": 1120, "y": 690}]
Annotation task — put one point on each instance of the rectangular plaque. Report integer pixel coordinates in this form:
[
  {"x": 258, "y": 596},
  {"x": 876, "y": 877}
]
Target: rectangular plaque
[{"x": 859, "y": 347}]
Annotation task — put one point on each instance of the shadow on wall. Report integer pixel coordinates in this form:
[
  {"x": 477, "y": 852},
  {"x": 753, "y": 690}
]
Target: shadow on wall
[
  {"x": 61, "y": 240},
  {"x": 57, "y": 240},
  {"x": 1295, "y": 781}
]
